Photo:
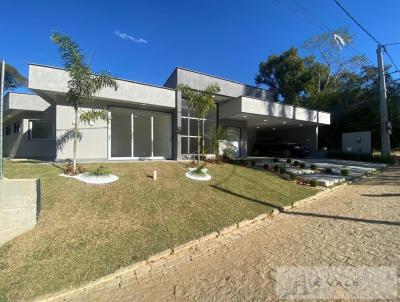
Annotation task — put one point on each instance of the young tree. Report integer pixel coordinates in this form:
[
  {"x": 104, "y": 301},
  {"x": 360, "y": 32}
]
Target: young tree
[
  {"x": 201, "y": 102},
  {"x": 12, "y": 78},
  {"x": 83, "y": 83}
]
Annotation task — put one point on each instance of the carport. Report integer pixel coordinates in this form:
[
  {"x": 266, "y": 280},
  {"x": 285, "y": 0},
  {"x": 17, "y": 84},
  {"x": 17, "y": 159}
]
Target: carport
[{"x": 265, "y": 119}]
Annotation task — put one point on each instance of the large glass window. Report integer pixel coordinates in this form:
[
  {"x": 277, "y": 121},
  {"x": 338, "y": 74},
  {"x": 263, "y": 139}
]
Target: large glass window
[
  {"x": 142, "y": 140},
  {"x": 189, "y": 132},
  {"x": 41, "y": 130},
  {"x": 140, "y": 133},
  {"x": 121, "y": 133}
]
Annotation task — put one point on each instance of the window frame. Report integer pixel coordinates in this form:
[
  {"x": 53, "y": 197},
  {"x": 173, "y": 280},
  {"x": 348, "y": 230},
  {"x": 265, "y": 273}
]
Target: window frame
[
  {"x": 7, "y": 130},
  {"x": 42, "y": 139},
  {"x": 188, "y": 118},
  {"x": 17, "y": 127}
]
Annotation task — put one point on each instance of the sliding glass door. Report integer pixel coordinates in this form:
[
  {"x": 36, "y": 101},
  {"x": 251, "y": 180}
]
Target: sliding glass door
[
  {"x": 139, "y": 134},
  {"x": 121, "y": 133}
]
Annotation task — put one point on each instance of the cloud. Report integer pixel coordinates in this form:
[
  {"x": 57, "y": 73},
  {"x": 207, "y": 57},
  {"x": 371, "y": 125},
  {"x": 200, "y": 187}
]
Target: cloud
[{"x": 128, "y": 37}]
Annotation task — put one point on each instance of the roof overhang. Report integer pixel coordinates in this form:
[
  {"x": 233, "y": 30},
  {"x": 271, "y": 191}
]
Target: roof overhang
[
  {"x": 14, "y": 103},
  {"x": 51, "y": 82},
  {"x": 260, "y": 113}
]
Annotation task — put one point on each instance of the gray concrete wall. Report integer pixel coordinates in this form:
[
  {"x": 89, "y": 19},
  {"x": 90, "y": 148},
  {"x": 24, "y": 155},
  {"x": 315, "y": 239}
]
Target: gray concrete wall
[
  {"x": 19, "y": 145},
  {"x": 19, "y": 207},
  {"x": 253, "y": 106},
  {"x": 243, "y": 133},
  {"x": 51, "y": 79},
  {"x": 176, "y": 128},
  {"x": 199, "y": 81},
  {"x": 22, "y": 101},
  {"x": 172, "y": 80},
  {"x": 357, "y": 142},
  {"x": 92, "y": 142},
  {"x": 93, "y": 137}
]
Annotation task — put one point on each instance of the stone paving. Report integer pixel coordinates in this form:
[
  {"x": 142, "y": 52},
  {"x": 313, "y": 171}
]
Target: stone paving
[{"x": 355, "y": 225}]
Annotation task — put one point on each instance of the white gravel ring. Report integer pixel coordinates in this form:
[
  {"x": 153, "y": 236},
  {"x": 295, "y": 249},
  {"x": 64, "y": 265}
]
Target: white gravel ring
[
  {"x": 197, "y": 176},
  {"x": 93, "y": 179}
]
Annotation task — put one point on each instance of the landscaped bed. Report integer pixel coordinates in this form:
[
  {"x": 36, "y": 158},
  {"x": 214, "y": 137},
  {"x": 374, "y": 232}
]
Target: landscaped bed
[{"x": 87, "y": 231}]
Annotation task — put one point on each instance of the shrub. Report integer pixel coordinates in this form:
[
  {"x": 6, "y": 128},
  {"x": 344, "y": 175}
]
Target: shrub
[
  {"x": 275, "y": 160},
  {"x": 100, "y": 170},
  {"x": 328, "y": 170},
  {"x": 276, "y": 168},
  {"x": 288, "y": 160},
  {"x": 344, "y": 172},
  {"x": 313, "y": 167},
  {"x": 266, "y": 166},
  {"x": 282, "y": 170},
  {"x": 302, "y": 165},
  {"x": 313, "y": 183},
  {"x": 229, "y": 153},
  {"x": 296, "y": 163},
  {"x": 293, "y": 177},
  {"x": 192, "y": 164},
  {"x": 242, "y": 162},
  {"x": 216, "y": 161},
  {"x": 69, "y": 168}
]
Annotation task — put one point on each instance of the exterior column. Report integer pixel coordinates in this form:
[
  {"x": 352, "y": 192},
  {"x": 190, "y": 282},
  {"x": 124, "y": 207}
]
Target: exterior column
[{"x": 177, "y": 128}]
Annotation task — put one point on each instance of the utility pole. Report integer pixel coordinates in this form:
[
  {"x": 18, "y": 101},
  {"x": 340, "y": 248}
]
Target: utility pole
[
  {"x": 3, "y": 72},
  {"x": 385, "y": 125}
]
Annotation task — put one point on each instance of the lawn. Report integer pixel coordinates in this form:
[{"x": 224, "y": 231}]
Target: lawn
[{"x": 87, "y": 231}]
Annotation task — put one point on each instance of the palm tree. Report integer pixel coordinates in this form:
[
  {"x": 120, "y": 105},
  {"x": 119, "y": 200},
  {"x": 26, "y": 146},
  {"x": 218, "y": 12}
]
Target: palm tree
[
  {"x": 201, "y": 102},
  {"x": 83, "y": 83}
]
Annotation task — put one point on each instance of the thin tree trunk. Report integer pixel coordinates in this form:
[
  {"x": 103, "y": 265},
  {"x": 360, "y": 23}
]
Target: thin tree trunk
[
  {"x": 75, "y": 139},
  {"x": 198, "y": 142}
]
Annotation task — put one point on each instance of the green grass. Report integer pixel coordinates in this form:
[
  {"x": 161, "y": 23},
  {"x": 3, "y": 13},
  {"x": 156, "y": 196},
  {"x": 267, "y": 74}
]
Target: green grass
[{"x": 87, "y": 231}]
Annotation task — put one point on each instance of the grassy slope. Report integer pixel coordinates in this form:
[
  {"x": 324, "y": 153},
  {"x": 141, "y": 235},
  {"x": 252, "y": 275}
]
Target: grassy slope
[{"x": 87, "y": 231}]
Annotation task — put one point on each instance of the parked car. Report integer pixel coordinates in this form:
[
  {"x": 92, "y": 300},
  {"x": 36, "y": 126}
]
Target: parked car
[{"x": 275, "y": 146}]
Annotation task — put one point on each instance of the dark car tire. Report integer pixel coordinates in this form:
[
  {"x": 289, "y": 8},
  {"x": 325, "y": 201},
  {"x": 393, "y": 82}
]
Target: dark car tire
[{"x": 287, "y": 153}]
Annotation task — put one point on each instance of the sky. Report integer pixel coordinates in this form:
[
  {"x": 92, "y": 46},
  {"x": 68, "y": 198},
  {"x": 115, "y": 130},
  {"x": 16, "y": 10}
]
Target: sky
[{"x": 145, "y": 40}]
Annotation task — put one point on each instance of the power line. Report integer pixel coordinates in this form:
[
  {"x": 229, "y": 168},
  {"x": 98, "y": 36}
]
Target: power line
[
  {"x": 371, "y": 36},
  {"x": 390, "y": 44},
  {"x": 323, "y": 26},
  {"x": 391, "y": 59},
  {"x": 356, "y": 22}
]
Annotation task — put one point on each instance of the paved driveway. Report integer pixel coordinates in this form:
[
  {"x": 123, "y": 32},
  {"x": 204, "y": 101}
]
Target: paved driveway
[{"x": 357, "y": 225}]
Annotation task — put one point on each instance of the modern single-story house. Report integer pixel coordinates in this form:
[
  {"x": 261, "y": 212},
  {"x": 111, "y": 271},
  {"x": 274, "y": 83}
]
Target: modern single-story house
[{"x": 146, "y": 121}]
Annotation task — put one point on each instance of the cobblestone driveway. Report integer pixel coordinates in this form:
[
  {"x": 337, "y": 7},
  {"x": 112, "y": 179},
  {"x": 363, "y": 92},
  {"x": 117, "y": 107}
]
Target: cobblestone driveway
[{"x": 358, "y": 225}]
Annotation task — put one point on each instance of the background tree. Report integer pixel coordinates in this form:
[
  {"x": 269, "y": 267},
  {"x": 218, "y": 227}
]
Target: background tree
[
  {"x": 13, "y": 79},
  {"x": 83, "y": 83},
  {"x": 333, "y": 79},
  {"x": 332, "y": 48},
  {"x": 287, "y": 75},
  {"x": 201, "y": 102}
]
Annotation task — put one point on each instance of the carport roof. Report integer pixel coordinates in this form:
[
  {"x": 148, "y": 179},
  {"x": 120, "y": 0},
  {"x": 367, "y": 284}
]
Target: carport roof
[{"x": 261, "y": 113}]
